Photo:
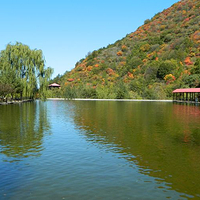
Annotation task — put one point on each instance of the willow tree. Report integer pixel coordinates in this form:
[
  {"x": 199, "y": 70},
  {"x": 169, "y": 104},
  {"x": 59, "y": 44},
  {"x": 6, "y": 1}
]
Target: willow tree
[{"x": 24, "y": 70}]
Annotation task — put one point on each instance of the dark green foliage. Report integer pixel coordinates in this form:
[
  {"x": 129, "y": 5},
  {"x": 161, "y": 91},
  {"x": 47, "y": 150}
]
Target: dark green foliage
[
  {"x": 137, "y": 85},
  {"x": 154, "y": 47},
  {"x": 89, "y": 93},
  {"x": 176, "y": 54},
  {"x": 147, "y": 21},
  {"x": 186, "y": 44},
  {"x": 196, "y": 69},
  {"x": 133, "y": 62},
  {"x": 69, "y": 92},
  {"x": 192, "y": 81},
  {"x": 166, "y": 36},
  {"x": 96, "y": 70},
  {"x": 154, "y": 40},
  {"x": 165, "y": 68},
  {"x": 79, "y": 92},
  {"x": 151, "y": 73},
  {"x": 121, "y": 91},
  {"x": 55, "y": 93}
]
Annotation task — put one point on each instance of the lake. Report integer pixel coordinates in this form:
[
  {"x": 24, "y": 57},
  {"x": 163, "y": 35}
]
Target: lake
[{"x": 99, "y": 150}]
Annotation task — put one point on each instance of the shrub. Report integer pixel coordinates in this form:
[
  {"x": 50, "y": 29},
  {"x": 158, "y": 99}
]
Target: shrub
[
  {"x": 196, "y": 69},
  {"x": 147, "y": 21},
  {"x": 151, "y": 73},
  {"x": 169, "y": 78},
  {"x": 192, "y": 80},
  {"x": 88, "y": 92},
  {"x": 119, "y": 53},
  {"x": 69, "y": 92},
  {"x": 165, "y": 68},
  {"x": 145, "y": 47},
  {"x": 121, "y": 91},
  {"x": 124, "y": 47},
  {"x": 187, "y": 61}
]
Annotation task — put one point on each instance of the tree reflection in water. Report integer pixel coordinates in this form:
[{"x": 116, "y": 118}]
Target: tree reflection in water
[
  {"x": 22, "y": 128},
  {"x": 163, "y": 139}
]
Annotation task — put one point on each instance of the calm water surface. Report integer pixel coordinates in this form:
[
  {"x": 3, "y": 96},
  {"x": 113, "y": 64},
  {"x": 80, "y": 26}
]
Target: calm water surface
[{"x": 99, "y": 150}]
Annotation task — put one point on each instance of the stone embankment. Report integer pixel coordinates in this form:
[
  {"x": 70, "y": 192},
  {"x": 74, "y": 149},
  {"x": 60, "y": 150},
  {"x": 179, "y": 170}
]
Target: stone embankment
[
  {"x": 79, "y": 99},
  {"x": 15, "y": 101}
]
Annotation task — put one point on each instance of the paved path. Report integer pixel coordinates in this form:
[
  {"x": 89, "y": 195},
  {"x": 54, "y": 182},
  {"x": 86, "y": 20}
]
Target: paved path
[
  {"x": 16, "y": 102},
  {"x": 78, "y": 99}
]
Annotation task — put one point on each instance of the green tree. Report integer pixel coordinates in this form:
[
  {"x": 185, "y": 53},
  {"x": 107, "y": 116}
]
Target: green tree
[
  {"x": 165, "y": 68},
  {"x": 69, "y": 92},
  {"x": 24, "y": 69},
  {"x": 121, "y": 91},
  {"x": 196, "y": 69}
]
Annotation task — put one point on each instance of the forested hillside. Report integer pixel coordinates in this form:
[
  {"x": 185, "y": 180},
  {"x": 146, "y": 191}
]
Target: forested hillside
[{"x": 160, "y": 56}]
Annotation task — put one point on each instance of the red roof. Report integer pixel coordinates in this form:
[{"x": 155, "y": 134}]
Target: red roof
[
  {"x": 186, "y": 90},
  {"x": 54, "y": 85}
]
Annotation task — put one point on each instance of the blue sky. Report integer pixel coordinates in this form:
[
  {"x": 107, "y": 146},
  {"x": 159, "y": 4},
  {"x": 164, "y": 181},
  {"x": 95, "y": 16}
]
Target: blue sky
[{"x": 66, "y": 30}]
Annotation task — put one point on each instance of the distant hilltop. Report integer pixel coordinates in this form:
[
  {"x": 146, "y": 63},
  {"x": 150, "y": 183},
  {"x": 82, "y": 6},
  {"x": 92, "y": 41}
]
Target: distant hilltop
[{"x": 160, "y": 56}]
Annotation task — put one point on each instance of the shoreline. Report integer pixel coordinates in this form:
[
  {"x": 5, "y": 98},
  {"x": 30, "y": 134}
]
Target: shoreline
[
  {"x": 16, "y": 102},
  {"x": 80, "y": 99}
]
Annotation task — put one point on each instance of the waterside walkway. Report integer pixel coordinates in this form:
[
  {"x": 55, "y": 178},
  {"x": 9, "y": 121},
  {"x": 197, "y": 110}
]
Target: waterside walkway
[
  {"x": 16, "y": 101},
  {"x": 79, "y": 99}
]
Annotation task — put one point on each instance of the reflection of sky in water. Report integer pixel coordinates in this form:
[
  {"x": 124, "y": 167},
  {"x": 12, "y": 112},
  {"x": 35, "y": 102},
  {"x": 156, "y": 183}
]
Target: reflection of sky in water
[{"x": 100, "y": 150}]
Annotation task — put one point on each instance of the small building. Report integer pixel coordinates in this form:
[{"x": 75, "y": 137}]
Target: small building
[
  {"x": 54, "y": 85},
  {"x": 190, "y": 95}
]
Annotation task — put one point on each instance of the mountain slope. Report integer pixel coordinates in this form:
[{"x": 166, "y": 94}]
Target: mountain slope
[{"x": 158, "y": 57}]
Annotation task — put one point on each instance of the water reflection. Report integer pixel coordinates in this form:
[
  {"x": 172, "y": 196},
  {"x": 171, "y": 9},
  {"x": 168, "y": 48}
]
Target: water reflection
[
  {"x": 107, "y": 150},
  {"x": 22, "y": 128},
  {"x": 163, "y": 139},
  {"x": 188, "y": 118}
]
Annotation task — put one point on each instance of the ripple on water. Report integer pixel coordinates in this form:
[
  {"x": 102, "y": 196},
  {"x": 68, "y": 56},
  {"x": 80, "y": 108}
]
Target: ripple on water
[{"x": 99, "y": 150}]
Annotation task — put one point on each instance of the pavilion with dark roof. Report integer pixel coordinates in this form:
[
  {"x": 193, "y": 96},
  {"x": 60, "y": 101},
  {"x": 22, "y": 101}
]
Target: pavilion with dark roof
[{"x": 187, "y": 95}]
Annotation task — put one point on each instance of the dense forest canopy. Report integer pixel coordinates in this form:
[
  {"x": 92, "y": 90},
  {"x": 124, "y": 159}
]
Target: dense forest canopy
[
  {"x": 160, "y": 56},
  {"x": 22, "y": 72}
]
